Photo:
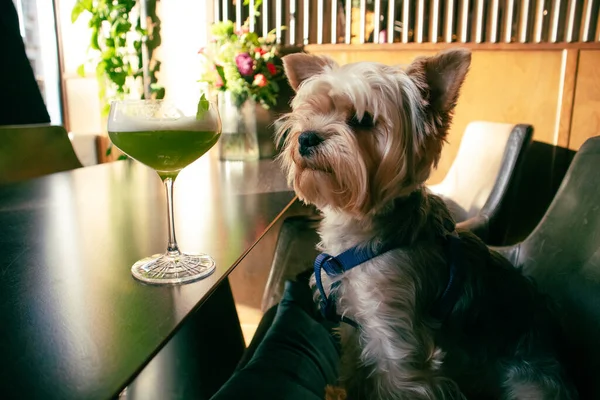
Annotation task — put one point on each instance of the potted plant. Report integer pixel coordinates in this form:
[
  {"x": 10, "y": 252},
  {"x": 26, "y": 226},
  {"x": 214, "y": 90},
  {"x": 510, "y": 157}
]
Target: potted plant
[
  {"x": 123, "y": 37},
  {"x": 247, "y": 73}
]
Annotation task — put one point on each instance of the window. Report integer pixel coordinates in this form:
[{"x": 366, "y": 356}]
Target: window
[{"x": 38, "y": 30}]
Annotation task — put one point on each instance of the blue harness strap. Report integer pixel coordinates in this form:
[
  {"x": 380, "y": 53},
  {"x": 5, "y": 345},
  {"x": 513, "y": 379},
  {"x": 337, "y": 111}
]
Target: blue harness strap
[
  {"x": 353, "y": 257},
  {"x": 334, "y": 266}
]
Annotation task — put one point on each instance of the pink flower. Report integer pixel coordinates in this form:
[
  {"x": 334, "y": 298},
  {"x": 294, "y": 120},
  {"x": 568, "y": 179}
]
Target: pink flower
[
  {"x": 201, "y": 50},
  {"x": 260, "y": 80},
  {"x": 242, "y": 30},
  {"x": 272, "y": 69},
  {"x": 244, "y": 63},
  {"x": 218, "y": 81}
]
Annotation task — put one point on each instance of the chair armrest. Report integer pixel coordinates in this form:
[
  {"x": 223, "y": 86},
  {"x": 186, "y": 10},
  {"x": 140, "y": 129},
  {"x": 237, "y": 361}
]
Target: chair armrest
[
  {"x": 295, "y": 252},
  {"x": 479, "y": 225},
  {"x": 511, "y": 253}
]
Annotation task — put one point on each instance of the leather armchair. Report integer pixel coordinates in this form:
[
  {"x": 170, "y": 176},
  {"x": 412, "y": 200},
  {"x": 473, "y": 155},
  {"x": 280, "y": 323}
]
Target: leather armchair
[
  {"x": 480, "y": 186},
  {"x": 562, "y": 254},
  {"x": 29, "y": 151}
]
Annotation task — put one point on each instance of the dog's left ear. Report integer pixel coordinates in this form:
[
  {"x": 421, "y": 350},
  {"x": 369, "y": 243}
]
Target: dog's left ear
[
  {"x": 300, "y": 66},
  {"x": 439, "y": 78}
]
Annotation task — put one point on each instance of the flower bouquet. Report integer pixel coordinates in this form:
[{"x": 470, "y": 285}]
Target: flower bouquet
[{"x": 246, "y": 71}]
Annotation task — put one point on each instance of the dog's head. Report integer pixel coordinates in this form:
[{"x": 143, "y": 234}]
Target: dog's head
[{"x": 364, "y": 134}]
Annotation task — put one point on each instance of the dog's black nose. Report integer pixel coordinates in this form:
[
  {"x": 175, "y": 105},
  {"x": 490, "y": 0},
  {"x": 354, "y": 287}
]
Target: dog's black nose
[{"x": 307, "y": 140}]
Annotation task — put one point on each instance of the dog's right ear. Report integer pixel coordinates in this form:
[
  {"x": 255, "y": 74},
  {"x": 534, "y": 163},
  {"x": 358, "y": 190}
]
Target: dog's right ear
[{"x": 300, "y": 66}]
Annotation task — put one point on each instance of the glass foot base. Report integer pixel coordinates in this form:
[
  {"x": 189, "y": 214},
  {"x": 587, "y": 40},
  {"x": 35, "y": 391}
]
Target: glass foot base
[{"x": 164, "y": 269}]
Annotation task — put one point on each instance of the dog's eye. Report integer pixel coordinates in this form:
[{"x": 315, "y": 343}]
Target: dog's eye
[{"x": 365, "y": 122}]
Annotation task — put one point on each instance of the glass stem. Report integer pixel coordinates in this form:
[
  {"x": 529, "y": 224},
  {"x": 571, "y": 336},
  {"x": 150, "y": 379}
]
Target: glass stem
[{"x": 172, "y": 248}]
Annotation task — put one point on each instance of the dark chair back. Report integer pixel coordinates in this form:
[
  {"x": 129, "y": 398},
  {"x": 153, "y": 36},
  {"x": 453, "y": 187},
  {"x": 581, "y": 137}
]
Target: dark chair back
[
  {"x": 29, "y": 151},
  {"x": 563, "y": 255},
  {"x": 480, "y": 187}
]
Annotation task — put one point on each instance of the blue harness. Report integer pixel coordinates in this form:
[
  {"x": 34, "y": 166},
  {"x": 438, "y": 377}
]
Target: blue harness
[{"x": 353, "y": 257}]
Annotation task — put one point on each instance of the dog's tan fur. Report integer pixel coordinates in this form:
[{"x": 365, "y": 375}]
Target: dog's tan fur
[{"x": 375, "y": 134}]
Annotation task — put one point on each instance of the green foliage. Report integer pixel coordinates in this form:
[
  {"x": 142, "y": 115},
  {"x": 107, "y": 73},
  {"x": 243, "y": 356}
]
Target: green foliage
[
  {"x": 242, "y": 63},
  {"x": 116, "y": 49},
  {"x": 109, "y": 152},
  {"x": 203, "y": 106}
]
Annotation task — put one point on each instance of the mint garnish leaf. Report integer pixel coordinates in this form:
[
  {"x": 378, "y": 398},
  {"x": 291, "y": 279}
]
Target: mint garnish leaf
[{"x": 203, "y": 106}]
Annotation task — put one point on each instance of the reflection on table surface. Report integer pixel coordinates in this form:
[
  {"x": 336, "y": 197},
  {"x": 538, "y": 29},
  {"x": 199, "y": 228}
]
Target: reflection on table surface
[{"x": 74, "y": 320}]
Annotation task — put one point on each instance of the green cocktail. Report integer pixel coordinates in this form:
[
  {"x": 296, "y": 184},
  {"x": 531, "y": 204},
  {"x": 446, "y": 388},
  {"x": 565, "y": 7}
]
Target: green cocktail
[
  {"x": 159, "y": 135},
  {"x": 167, "y": 152}
]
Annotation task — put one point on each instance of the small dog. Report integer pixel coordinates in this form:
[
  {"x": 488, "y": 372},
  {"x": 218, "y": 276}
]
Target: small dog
[{"x": 431, "y": 314}]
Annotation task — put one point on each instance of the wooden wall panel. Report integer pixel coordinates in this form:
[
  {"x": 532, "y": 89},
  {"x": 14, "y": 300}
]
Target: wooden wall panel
[
  {"x": 502, "y": 86},
  {"x": 512, "y": 87},
  {"x": 586, "y": 109},
  {"x": 566, "y": 97},
  {"x": 382, "y": 56}
]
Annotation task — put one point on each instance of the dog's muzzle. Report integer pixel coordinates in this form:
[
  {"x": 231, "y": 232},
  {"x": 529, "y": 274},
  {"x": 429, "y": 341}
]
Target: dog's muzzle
[{"x": 307, "y": 141}]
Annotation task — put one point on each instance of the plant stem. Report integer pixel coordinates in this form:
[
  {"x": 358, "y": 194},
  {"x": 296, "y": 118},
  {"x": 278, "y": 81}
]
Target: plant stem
[
  {"x": 172, "y": 248},
  {"x": 144, "y": 51}
]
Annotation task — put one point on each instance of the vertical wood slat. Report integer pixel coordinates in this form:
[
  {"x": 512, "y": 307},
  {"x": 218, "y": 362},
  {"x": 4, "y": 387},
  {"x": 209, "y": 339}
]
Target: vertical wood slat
[
  {"x": 524, "y": 21},
  {"x": 586, "y": 22},
  {"x": 539, "y": 22},
  {"x": 492, "y": 33},
  {"x": 405, "y": 20},
  {"x": 225, "y": 10},
  {"x": 419, "y": 21},
  {"x": 334, "y": 17},
  {"x": 554, "y": 21},
  {"x": 566, "y": 97},
  {"x": 376, "y": 21},
  {"x": 508, "y": 20},
  {"x": 251, "y": 13},
  {"x": 320, "y": 28},
  {"x": 362, "y": 25},
  {"x": 483, "y": 29},
  {"x": 463, "y": 21},
  {"x": 570, "y": 28},
  {"x": 305, "y": 21},
  {"x": 292, "y": 30},
  {"x": 479, "y": 21},
  {"x": 348, "y": 35},
  {"x": 434, "y": 15},
  {"x": 588, "y": 29},
  {"x": 238, "y": 14},
  {"x": 391, "y": 20},
  {"x": 265, "y": 17},
  {"x": 598, "y": 27},
  {"x": 448, "y": 20},
  {"x": 278, "y": 22},
  {"x": 216, "y": 15}
]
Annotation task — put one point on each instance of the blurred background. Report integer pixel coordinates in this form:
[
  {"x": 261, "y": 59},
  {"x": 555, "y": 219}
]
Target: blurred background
[{"x": 534, "y": 61}]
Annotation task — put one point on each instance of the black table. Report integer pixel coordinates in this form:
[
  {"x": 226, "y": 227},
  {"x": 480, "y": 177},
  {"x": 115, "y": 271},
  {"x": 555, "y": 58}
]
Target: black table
[{"x": 74, "y": 323}]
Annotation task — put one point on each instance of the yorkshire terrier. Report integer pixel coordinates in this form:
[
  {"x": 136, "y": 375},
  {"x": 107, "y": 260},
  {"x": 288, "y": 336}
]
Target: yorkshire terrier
[{"x": 426, "y": 312}]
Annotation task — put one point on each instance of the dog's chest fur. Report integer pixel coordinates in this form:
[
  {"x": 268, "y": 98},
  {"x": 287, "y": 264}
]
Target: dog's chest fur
[
  {"x": 390, "y": 295},
  {"x": 399, "y": 351}
]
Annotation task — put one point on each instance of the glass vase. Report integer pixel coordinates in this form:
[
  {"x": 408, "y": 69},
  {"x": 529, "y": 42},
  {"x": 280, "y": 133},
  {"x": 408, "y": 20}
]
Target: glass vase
[{"x": 239, "y": 138}]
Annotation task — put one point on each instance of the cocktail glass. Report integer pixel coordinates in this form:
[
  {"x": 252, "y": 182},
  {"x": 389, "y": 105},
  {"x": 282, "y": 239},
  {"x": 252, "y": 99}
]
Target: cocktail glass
[{"x": 161, "y": 136}]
